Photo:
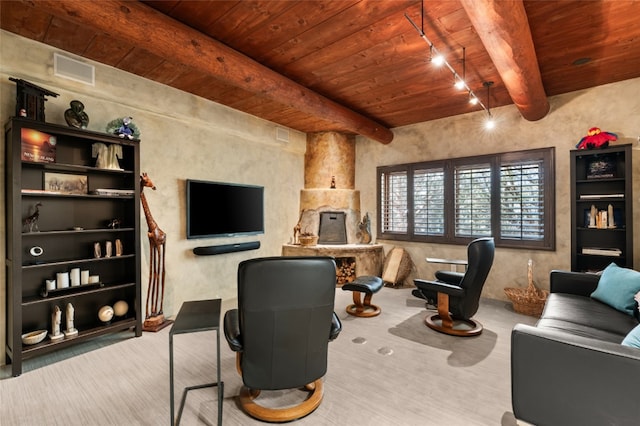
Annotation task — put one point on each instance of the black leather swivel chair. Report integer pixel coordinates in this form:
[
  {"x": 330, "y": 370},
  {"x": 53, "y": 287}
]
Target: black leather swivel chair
[
  {"x": 458, "y": 293},
  {"x": 281, "y": 330}
]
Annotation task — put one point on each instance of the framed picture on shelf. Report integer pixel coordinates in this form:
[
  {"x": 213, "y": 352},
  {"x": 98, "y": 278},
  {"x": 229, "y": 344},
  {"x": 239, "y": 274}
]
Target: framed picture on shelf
[
  {"x": 587, "y": 219},
  {"x": 38, "y": 147},
  {"x": 601, "y": 167},
  {"x": 65, "y": 183},
  {"x": 617, "y": 218}
]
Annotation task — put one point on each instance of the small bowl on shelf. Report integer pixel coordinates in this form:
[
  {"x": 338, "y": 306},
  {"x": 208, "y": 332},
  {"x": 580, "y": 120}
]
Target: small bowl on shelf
[{"x": 34, "y": 337}]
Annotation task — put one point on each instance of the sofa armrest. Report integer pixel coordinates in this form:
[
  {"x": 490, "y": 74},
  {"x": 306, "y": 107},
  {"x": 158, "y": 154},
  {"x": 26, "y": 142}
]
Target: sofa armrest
[
  {"x": 563, "y": 379},
  {"x": 579, "y": 283}
]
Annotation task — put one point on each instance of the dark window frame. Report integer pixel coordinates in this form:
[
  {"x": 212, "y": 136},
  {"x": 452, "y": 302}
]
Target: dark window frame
[{"x": 545, "y": 158}]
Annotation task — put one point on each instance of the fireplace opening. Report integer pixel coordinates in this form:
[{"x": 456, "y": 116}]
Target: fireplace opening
[
  {"x": 345, "y": 270},
  {"x": 333, "y": 229}
]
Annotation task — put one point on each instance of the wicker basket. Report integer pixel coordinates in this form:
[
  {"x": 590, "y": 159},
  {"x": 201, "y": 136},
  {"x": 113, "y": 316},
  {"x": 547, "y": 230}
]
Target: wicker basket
[
  {"x": 528, "y": 301},
  {"x": 308, "y": 240}
]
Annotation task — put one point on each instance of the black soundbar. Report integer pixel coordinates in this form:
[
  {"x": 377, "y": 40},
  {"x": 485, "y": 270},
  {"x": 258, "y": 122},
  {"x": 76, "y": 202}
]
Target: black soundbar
[{"x": 225, "y": 248}]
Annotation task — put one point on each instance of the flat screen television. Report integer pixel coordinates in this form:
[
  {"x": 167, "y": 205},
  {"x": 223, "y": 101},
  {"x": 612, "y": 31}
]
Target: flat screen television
[{"x": 218, "y": 209}]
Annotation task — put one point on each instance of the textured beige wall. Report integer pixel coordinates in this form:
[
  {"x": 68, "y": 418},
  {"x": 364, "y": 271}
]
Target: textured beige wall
[
  {"x": 614, "y": 108},
  {"x": 183, "y": 136}
]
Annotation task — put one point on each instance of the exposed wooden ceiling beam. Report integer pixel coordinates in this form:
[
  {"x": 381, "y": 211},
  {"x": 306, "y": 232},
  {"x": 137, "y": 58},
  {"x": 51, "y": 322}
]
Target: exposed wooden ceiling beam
[
  {"x": 148, "y": 29},
  {"x": 504, "y": 30}
]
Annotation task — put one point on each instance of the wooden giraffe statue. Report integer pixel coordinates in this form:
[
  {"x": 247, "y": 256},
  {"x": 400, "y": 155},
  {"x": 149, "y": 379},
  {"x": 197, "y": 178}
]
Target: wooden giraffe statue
[{"x": 154, "y": 318}]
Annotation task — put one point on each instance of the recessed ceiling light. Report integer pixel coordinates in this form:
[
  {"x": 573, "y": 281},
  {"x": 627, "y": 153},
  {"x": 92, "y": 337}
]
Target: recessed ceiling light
[{"x": 581, "y": 61}]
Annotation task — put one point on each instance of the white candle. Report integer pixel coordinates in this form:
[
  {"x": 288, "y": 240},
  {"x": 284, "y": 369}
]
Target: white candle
[
  {"x": 84, "y": 277},
  {"x": 51, "y": 284},
  {"x": 75, "y": 277},
  {"x": 62, "y": 279}
]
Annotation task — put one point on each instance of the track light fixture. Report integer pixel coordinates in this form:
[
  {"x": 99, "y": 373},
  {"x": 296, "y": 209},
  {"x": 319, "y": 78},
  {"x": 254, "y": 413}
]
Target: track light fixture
[
  {"x": 490, "y": 123},
  {"x": 460, "y": 83}
]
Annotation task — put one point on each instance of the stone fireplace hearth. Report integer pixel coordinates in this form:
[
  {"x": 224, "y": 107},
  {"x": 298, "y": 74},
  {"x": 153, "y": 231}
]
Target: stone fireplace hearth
[
  {"x": 368, "y": 258},
  {"x": 329, "y": 179}
]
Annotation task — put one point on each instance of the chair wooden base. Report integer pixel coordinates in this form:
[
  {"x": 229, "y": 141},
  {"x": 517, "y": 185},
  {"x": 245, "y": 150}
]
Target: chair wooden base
[
  {"x": 444, "y": 323},
  {"x": 458, "y": 327},
  {"x": 362, "y": 306},
  {"x": 279, "y": 415}
]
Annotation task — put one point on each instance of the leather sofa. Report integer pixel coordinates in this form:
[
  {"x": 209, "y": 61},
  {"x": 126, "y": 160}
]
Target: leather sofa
[{"x": 570, "y": 368}]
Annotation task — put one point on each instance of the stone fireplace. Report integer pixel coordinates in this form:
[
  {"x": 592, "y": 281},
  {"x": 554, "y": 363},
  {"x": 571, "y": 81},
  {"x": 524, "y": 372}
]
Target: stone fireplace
[{"x": 329, "y": 194}]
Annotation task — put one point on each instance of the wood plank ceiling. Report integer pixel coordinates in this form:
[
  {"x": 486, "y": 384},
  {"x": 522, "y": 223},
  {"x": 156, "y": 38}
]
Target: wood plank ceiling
[{"x": 355, "y": 66}]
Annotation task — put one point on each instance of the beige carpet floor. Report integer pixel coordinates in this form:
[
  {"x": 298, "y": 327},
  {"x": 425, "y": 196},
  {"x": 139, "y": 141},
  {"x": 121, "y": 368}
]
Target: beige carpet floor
[{"x": 385, "y": 370}]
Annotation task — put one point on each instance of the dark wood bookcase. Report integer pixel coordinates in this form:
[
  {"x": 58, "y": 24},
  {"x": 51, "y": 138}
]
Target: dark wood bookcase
[
  {"x": 601, "y": 181},
  {"x": 68, "y": 228}
]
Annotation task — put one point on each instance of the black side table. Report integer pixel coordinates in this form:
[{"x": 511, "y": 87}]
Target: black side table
[{"x": 195, "y": 316}]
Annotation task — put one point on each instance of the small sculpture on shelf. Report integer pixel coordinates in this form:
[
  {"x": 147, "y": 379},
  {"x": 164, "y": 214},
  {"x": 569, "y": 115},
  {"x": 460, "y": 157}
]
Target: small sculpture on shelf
[
  {"x": 30, "y": 99},
  {"x": 107, "y": 155},
  {"x": 296, "y": 232},
  {"x": 71, "y": 331},
  {"x": 611, "y": 224},
  {"x": 596, "y": 138},
  {"x": 75, "y": 116},
  {"x": 120, "y": 308},
  {"x": 592, "y": 216},
  {"x": 105, "y": 314},
  {"x": 30, "y": 224},
  {"x": 364, "y": 233},
  {"x": 56, "y": 319},
  {"x": 124, "y": 128}
]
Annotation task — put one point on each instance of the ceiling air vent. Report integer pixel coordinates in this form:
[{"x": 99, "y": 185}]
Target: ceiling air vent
[
  {"x": 282, "y": 134},
  {"x": 73, "y": 70}
]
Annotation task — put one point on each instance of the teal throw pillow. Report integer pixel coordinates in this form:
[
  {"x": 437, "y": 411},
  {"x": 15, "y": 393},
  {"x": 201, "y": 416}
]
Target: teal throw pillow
[
  {"x": 616, "y": 288},
  {"x": 633, "y": 338}
]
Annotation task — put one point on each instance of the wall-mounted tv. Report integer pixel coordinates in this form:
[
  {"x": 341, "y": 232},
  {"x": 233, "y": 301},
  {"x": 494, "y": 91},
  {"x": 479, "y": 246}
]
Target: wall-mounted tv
[{"x": 218, "y": 209}]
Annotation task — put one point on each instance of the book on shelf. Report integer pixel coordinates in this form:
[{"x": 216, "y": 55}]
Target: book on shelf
[
  {"x": 598, "y": 251},
  {"x": 597, "y": 196},
  {"x": 112, "y": 192}
]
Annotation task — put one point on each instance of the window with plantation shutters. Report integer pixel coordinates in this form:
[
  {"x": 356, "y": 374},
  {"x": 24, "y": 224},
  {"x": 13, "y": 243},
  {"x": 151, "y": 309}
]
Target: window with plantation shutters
[
  {"x": 522, "y": 201},
  {"x": 394, "y": 196},
  {"x": 509, "y": 196},
  {"x": 472, "y": 189},
  {"x": 428, "y": 202}
]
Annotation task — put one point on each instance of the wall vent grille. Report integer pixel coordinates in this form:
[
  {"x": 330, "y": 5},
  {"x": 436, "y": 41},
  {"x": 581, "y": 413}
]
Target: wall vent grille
[
  {"x": 72, "y": 69},
  {"x": 282, "y": 134}
]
